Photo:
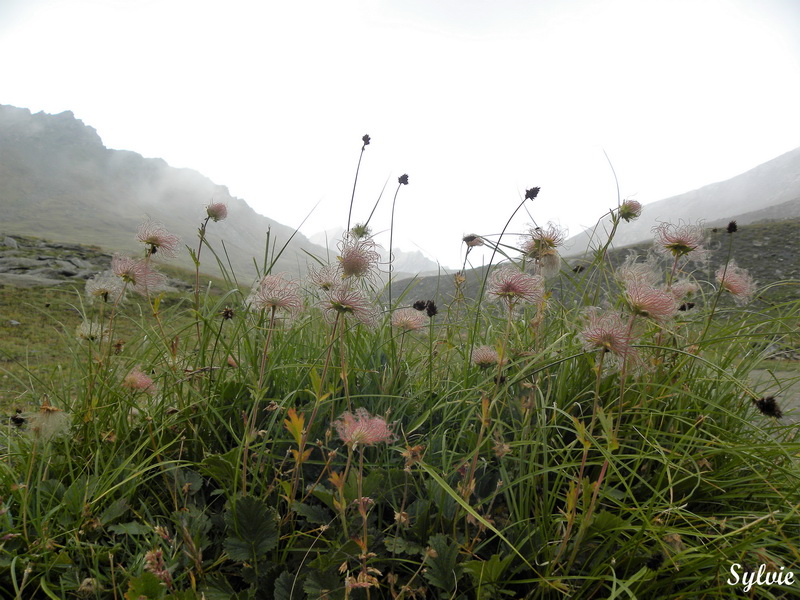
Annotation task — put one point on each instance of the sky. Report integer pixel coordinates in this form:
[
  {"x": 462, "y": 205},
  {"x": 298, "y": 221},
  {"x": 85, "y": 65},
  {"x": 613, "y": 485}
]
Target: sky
[{"x": 476, "y": 101}]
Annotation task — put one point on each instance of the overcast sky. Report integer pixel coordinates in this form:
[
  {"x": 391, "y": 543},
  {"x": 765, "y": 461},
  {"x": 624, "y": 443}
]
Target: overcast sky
[{"x": 475, "y": 100}]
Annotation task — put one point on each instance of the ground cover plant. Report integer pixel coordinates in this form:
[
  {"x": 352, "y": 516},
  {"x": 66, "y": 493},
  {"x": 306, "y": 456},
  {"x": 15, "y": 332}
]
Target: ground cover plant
[{"x": 325, "y": 439}]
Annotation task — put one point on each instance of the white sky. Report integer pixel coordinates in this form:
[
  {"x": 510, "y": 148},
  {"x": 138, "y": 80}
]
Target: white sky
[{"x": 475, "y": 100}]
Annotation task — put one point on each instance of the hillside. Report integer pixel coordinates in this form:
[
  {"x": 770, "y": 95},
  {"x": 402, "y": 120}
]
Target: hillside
[
  {"x": 772, "y": 187},
  {"x": 58, "y": 181}
]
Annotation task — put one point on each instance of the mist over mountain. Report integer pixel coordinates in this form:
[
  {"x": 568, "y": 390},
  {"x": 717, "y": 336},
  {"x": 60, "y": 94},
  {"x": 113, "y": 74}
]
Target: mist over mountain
[
  {"x": 770, "y": 190},
  {"x": 58, "y": 181}
]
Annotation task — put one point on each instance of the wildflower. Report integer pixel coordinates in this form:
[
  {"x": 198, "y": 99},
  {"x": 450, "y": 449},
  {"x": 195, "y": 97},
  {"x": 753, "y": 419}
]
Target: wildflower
[
  {"x": 137, "y": 273},
  {"x": 344, "y": 300},
  {"x": 227, "y": 313},
  {"x": 630, "y": 210},
  {"x": 360, "y": 230},
  {"x": 217, "y": 211},
  {"x": 485, "y": 356},
  {"x": 49, "y": 422},
  {"x": 408, "y": 319},
  {"x": 366, "y": 140},
  {"x": 512, "y": 286},
  {"x": 138, "y": 381},
  {"x": 104, "y": 286},
  {"x": 683, "y": 288},
  {"x": 768, "y": 406},
  {"x": 361, "y": 429},
  {"x": 732, "y": 227},
  {"x": 154, "y": 562},
  {"x": 680, "y": 240},
  {"x": 648, "y": 301},
  {"x": 403, "y": 179},
  {"x": 472, "y": 240},
  {"x": 430, "y": 309},
  {"x": 364, "y": 580},
  {"x": 157, "y": 239},
  {"x": 91, "y": 331},
  {"x": 532, "y": 193},
  {"x": 737, "y": 281},
  {"x": 541, "y": 242},
  {"x": 325, "y": 277},
  {"x": 358, "y": 257},
  {"x": 419, "y": 305},
  {"x": 632, "y": 271},
  {"x": 607, "y": 332},
  {"x": 276, "y": 293}
]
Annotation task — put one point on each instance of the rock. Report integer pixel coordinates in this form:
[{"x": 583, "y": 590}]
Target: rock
[
  {"x": 67, "y": 269},
  {"x": 10, "y": 242},
  {"x": 14, "y": 323},
  {"x": 81, "y": 264},
  {"x": 14, "y": 263}
]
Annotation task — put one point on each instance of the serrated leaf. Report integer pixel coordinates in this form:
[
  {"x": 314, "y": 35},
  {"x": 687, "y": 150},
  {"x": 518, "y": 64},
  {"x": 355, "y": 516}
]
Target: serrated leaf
[
  {"x": 288, "y": 587},
  {"x": 132, "y": 528},
  {"x": 399, "y": 545},
  {"x": 295, "y": 424},
  {"x": 488, "y": 571},
  {"x": 146, "y": 586},
  {"x": 252, "y": 530},
  {"x": 114, "y": 511},
  {"x": 443, "y": 570},
  {"x": 221, "y": 467},
  {"x": 323, "y": 585},
  {"x": 314, "y": 514}
]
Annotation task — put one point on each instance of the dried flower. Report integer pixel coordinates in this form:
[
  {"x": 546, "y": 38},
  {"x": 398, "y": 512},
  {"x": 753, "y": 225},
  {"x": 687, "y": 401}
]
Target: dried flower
[
  {"x": 154, "y": 562},
  {"x": 105, "y": 286},
  {"x": 532, "y": 193},
  {"x": 138, "y": 381},
  {"x": 227, "y": 313},
  {"x": 419, "y": 305},
  {"x": 91, "y": 331},
  {"x": 540, "y": 242},
  {"x": 403, "y": 179},
  {"x": 430, "y": 309},
  {"x": 326, "y": 277},
  {"x": 361, "y": 429},
  {"x": 732, "y": 227},
  {"x": 344, "y": 300},
  {"x": 49, "y": 422},
  {"x": 217, "y": 211},
  {"x": 683, "y": 288},
  {"x": 157, "y": 239},
  {"x": 138, "y": 274},
  {"x": 648, "y": 301},
  {"x": 366, "y": 140},
  {"x": 274, "y": 292},
  {"x": 737, "y": 281},
  {"x": 630, "y": 210},
  {"x": 680, "y": 240},
  {"x": 408, "y": 319},
  {"x": 512, "y": 286},
  {"x": 485, "y": 356},
  {"x": 472, "y": 240},
  {"x": 607, "y": 332},
  {"x": 360, "y": 231},
  {"x": 632, "y": 271},
  {"x": 768, "y": 406},
  {"x": 358, "y": 257}
]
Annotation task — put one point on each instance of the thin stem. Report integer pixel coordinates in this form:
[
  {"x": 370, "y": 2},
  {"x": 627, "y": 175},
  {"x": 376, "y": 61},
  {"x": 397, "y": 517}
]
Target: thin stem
[
  {"x": 391, "y": 241},
  {"x": 353, "y": 196}
]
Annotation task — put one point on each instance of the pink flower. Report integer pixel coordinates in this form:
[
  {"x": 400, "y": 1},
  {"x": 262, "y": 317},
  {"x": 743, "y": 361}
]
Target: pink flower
[
  {"x": 358, "y": 257},
  {"x": 137, "y": 273},
  {"x": 648, "y": 301},
  {"x": 138, "y": 381},
  {"x": 408, "y": 319},
  {"x": 633, "y": 271},
  {"x": 344, "y": 300},
  {"x": 105, "y": 286},
  {"x": 737, "y": 281},
  {"x": 607, "y": 332},
  {"x": 472, "y": 240},
  {"x": 680, "y": 240},
  {"x": 275, "y": 292},
  {"x": 683, "y": 288},
  {"x": 511, "y": 286},
  {"x": 485, "y": 356},
  {"x": 154, "y": 562},
  {"x": 157, "y": 239},
  {"x": 361, "y": 429},
  {"x": 217, "y": 211},
  {"x": 325, "y": 277},
  {"x": 541, "y": 242},
  {"x": 630, "y": 210}
]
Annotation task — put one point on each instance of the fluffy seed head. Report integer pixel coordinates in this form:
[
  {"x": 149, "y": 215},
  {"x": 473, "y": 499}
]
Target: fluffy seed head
[
  {"x": 683, "y": 288},
  {"x": 138, "y": 274},
  {"x": 358, "y": 257},
  {"x": 485, "y": 356},
  {"x": 276, "y": 292},
  {"x": 680, "y": 240},
  {"x": 325, "y": 278},
  {"x": 472, "y": 240},
  {"x": 346, "y": 301},
  {"x": 217, "y": 211},
  {"x": 49, "y": 422},
  {"x": 540, "y": 242},
  {"x": 361, "y": 429},
  {"x": 157, "y": 239},
  {"x": 737, "y": 281},
  {"x": 138, "y": 381},
  {"x": 648, "y": 301},
  {"x": 630, "y": 210},
  {"x": 104, "y": 286},
  {"x": 408, "y": 319},
  {"x": 92, "y": 331},
  {"x": 607, "y": 332},
  {"x": 512, "y": 286}
]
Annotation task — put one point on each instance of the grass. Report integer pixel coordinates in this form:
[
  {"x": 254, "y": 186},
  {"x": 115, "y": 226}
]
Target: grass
[{"x": 296, "y": 443}]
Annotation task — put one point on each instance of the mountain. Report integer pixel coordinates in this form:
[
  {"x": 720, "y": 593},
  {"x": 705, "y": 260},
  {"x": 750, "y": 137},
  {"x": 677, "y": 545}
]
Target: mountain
[
  {"x": 770, "y": 190},
  {"x": 58, "y": 181}
]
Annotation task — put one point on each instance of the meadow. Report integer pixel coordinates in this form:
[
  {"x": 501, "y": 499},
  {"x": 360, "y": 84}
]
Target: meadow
[{"x": 328, "y": 439}]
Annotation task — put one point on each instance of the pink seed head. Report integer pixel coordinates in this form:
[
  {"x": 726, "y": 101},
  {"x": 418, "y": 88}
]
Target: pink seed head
[
  {"x": 408, "y": 319},
  {"x": 217, "y": 211},
  {"x": 158, "y": 240},
  {"x": 361, "y": 429},
  {"x": 737, "y": 281},
  {"x": 511, "y": 286},
  {"x": 275, "y": 292}
]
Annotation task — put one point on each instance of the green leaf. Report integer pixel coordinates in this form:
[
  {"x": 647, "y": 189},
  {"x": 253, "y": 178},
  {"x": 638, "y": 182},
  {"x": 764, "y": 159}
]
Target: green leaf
[
  {"x": 132, "y": 528},
  {"x": 442, "y": 571},
  {"x": 114, "y": 511},
  {"x": 312, "y": 513},
  {"x": 399, "y": 545},
  {"x": 221, "y": 467},
  {"x": 145, "y": 586},
  {"x": 485, "y": 572},
  {"x": 252, "y": 530},
  {"x": 287, "y": 587},
  {"x": 323, "y": 585}
]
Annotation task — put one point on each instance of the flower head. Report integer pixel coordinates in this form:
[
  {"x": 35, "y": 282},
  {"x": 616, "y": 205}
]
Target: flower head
[
  {"x": 680, "y": 240},
  {"x": 606, "y": 332},
  {"x": 472, "y": 240},
  {"x": 683, "y": 288},
  {"x": 485, "y": 356},
  {"x": 344, "y": 300},
  {"x": 403, "y": 179},
  {"x": 366, "y": 140},
  {"x": 49, "y": 421},
  {"x": 157, "y": 239},
  {"x": 92, "y": 331},
  {"x": 732, "y": 227},
  {"x": 630, "y": 210},
  {"x": 737, "y": 281},
  {"x": 274, "y": 292},
  {"x": 105, "y": 286},
  {"x": 512, "y": 286},
  {"x": 360, "y": 230},
  {"x": 633, "y": 271},
  {"x": 138, "y": 381},
  {"x": 532, "y": 193},
  {"x": 137, "y": 273},
  {"x": 358, "y": 257},
  {"x": 430, "y": 309},
  {"x": 648, "y": 301},
  {"x": 325, "y": 278},
  {"x": 361, "y": 429},
  {"x": 217, "y": 211},
  {"x": 408, "y": 319},
  {"x": 768, "y": 406},
  {"x": 540, "y": 242}
]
